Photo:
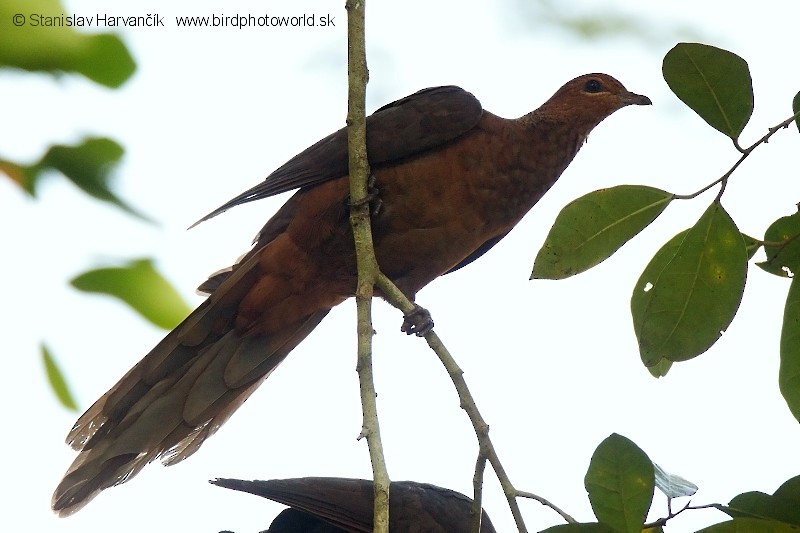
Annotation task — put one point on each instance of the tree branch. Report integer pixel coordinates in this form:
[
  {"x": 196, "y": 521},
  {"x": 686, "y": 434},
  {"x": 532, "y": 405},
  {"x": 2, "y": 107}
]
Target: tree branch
[
  {"x": 370, "y": 276},
  {"x": 396, "y": 297},
  {"x": 477, "y": 489},
  {"x": 478, "y": 423},
  {"x": 358, "y": 75}
]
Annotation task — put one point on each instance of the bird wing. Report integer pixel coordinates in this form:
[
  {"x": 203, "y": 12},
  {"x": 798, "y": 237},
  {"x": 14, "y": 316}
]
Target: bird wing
[
  {"x": 347, "y": 503},
  {"x": 482, "y": 249},
  {"x": 344, "y": 503},
  {"x": 419, "y": 122}
]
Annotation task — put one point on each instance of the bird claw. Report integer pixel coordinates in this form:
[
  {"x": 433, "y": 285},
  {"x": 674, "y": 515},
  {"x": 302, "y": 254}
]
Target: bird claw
[
  {"x": 372, "y": 198},
  {"x": 418, "y": 322}
]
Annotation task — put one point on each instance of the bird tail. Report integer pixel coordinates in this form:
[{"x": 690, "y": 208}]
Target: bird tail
[{"x": 177, "y": 396}]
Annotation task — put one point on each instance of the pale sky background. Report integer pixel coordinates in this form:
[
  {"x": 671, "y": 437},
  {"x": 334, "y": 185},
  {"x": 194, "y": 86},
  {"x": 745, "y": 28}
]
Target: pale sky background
[{"x": 553, "y": 365}]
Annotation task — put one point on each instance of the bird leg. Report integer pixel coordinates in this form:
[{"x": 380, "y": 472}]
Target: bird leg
[
  {"x": 417, "y": 322},
  {"x": 372, "y": 198}
]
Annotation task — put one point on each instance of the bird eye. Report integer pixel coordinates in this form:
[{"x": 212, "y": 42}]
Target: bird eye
[{"x": 593, "y": 86}]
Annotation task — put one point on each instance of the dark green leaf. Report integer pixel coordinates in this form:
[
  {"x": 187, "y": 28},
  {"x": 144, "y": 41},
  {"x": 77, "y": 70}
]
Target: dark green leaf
[
  {"x": 590, "y": 229},
  {"x": 789, "y": 373},
  {"x": 783, "y": 506},
  {"x": 713, "y": 82},
  {"x": 749, "y": 525},
  {"x": 796, "y": 109},
  {"x": 747, "y": 504},
  {"x": 783, "y": 246},
  {"x": 790, "y": 490},
  {"x": 760, "y": 505},
  {"x": 57, "y": 381},
  {"x": 673, "y": 486},
  {"x": 139, "y": 285},
  {"x": 620, "y": 483},
  {"x": 592, "y": 527},
  {"x": 49, "y": 44},
  {"x": 691, "y": 290}
]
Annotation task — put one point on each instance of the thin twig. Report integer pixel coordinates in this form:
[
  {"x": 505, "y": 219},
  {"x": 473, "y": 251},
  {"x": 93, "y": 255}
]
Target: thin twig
[
  {"x": 663, "y": 521},
  {"x": 365, "y": 254},
  {"x": 547, "y": 503},
  {"x": 745, "y": 154},
  {"x": 396, "y": 297},
  {"x": 478, "y": 423}
]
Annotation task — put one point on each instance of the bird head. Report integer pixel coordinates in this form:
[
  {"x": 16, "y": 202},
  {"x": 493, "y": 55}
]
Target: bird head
[{"x": 589, "y": 99}]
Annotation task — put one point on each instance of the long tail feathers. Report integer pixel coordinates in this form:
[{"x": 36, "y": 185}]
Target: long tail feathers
[{"x": 171, "y": 401}]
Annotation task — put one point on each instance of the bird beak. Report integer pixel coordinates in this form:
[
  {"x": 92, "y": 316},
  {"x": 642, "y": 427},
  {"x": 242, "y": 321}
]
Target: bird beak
[{"x": 630, "y": 98}]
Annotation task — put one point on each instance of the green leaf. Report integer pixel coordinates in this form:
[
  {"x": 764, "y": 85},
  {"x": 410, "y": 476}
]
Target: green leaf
[
  {"x": 783, "y": 506},
  {"x": 789, "y": 373},
  {"x": 644, "y": 285},
  {"x": 57, "y": 381},
  {"x": 715, "y": 83},
  {"x": 689, "y": 293},
  {"x": 590, "y": 229},
  {"x": 783, "y": 246},
  {"x": 590, "y": 527},
  {"x": 88, "y": 165},
  {"x": 760, "y": 505},
  {"x": 790, "y": 490},
  {"x": 660, "y": 369},
  {"x": 749, "y": 525},
  {"x": 748, "y": 504},
  {"x": 36, "y": 37},
  {"x": 140, "y": 286},
  {"x": 673, "y": 486},
  {"x": 620, "y": 483},
  {"x": 796, "y": 109},
  {"x": 775, "y": 270}
]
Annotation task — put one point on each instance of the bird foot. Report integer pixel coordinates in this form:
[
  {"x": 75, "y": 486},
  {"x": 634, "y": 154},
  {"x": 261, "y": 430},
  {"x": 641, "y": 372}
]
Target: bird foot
[
  {"x": 372, "y": 198},
  {"x": 418, "y": 322}
]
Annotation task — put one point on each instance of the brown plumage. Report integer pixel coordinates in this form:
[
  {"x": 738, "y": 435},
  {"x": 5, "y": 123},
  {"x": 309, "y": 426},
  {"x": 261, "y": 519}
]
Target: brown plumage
[
  {"x": 453, "y": 180},
  {"x": 339, "y": 505}
]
